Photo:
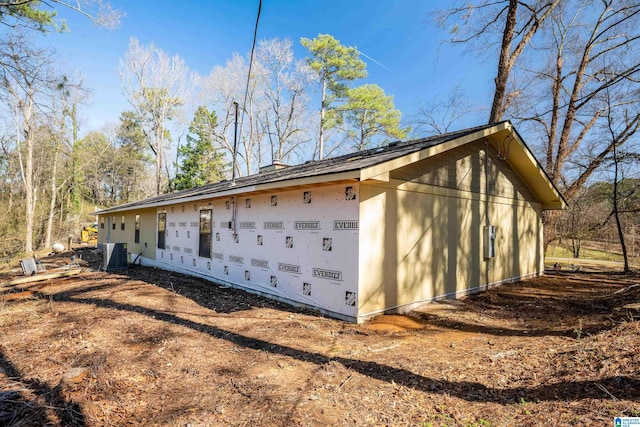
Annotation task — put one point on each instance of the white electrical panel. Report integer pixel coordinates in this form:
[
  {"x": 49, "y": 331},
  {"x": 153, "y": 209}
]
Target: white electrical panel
[{"x": 489, "y": 241}]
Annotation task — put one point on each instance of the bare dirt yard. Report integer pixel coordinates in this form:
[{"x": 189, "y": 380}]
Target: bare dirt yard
[{"x": 148, "y": 347}]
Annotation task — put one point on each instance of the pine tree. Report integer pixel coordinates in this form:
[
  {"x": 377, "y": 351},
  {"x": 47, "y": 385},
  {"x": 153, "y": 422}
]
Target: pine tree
[{"x": 201, "y": 162}]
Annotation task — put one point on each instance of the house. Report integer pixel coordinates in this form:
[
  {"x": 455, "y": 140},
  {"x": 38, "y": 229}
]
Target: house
[{"x": 380, "y": 230}]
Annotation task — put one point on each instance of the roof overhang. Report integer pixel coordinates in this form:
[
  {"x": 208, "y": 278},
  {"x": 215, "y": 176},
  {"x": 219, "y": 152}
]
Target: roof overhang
[
  {"x": 504, "y": 138},
  {"x": 246, "y": 189}
]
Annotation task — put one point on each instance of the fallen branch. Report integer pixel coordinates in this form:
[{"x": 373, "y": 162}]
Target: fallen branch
[
  {"x": 385, "y": 348},
  {"x": 603, "y": 388},
  {"x": 623, "y": 290},
  {"x": 345, "y": 381}
]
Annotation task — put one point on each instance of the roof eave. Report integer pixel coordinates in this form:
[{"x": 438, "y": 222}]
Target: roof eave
[
  {"x": 267, "y": 186},
  {"x": 528, "y": 168},
  {"x": 534, "y": 175},
  {"x": 379, "y": 170}
]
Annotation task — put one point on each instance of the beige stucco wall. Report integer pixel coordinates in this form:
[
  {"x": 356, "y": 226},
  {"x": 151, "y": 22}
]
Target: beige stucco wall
[
  {"x": 117, "y": 235},
  {"x": 422, "y": 232}
]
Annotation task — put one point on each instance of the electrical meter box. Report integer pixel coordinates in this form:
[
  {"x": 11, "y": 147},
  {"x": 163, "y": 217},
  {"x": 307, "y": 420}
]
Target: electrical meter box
[
  {"x": 115, "y": 256},
  {"x": 489, "y": 241}
]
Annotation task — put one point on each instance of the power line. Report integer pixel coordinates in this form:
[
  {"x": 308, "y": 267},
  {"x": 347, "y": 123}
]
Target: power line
[{"x": 246, "y": 90}]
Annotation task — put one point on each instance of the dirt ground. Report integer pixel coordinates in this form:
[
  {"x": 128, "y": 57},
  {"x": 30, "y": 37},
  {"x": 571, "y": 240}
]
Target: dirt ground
[{"x": 148, "y": 347}]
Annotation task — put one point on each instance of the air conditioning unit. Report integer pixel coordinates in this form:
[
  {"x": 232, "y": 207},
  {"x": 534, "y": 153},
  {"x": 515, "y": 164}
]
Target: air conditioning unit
[{"x": 114, "y": 256}]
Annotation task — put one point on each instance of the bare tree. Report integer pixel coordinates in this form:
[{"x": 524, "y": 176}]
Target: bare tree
[
  {"x": 515, "y": 22},
  {"x": 221, "y": 88},
  {"x": 579, "y": 49},
  {"x": 284, "y": 83},
  {"x": 64, "y": 127},
  {"x": 30, "y": 14},
  {"x": 156, "y": 86},
  {"x": 619, "y": 134},
  {"x": 27, "y": 81},
  {"x": 440, "y": 116}
]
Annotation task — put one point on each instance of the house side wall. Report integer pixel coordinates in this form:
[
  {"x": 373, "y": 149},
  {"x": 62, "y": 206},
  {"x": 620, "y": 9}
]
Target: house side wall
[
  {"x": 463, "y": 168},
  {"x": 115, "y": 233},
  {"x": 422, "y": 232},
  {"x": 298, "y": 245}
]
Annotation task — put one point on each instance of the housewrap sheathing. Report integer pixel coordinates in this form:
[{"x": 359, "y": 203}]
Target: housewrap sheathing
[{"x": 299, "y": 245}]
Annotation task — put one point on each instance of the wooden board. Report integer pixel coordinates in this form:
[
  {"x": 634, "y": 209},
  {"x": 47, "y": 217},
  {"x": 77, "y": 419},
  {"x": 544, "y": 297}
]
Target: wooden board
[{"x": 41, "y": 277}]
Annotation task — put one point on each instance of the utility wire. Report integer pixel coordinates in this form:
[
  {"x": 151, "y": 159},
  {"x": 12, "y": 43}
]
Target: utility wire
[{"x": 246, "y": 90}]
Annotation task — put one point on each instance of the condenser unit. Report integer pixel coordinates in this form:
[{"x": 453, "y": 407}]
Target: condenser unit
[{"x": 114, "y": 256}]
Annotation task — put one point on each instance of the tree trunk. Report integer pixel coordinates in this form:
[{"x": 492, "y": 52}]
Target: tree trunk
[
  {"x": 616, "y": 211},
  {"x": 575, "y": 247},
  {"x": 159, "y": 149},
  {"x": 497, "y": 106},
  {"x": 30, "y": 193},
  {"x": 322, "y": 113},
  {"x": 52, "y": 204}
]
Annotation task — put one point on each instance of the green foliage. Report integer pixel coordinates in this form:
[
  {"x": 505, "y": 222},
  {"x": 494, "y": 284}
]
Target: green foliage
[
  {"x": 131, "y": 135},
  {"x": 158, "y": 103},
  {"x": 201, "y": 162},
  {"x": 523, "y": 403},
  {"x": 370, "y": 113},
  {"x": 118, "y": 172},
  {"x": 334, "y": 63},
  {"x": 29, "y": 14},
  {"x": 367, "y": 110}
]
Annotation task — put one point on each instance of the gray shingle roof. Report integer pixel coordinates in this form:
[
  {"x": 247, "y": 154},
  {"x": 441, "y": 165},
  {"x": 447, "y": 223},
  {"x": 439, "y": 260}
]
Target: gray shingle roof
[{"x": 346, "y": 163}]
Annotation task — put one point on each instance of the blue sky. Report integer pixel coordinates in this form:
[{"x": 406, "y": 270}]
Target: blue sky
[{"x": 415, "y": 68}]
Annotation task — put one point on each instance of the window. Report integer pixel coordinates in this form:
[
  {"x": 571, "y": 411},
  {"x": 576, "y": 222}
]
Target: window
[
  {"x": 136, "y": 236},
  {"x": 122, "y": 223},
  {"x": 113, "y": 222},
  {"x": 205, "y": 233},
  {"x": 162, "y": 227},
  {"x": 102, "y": 222}
]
